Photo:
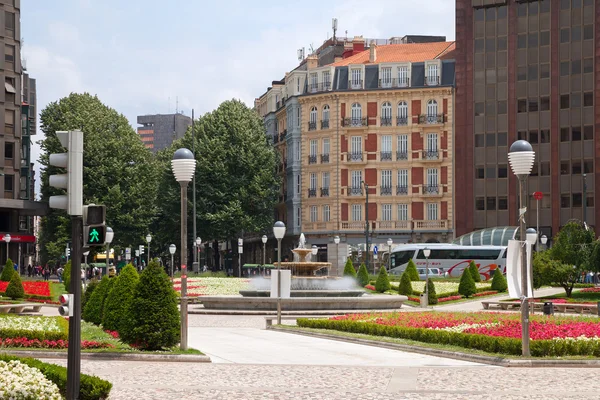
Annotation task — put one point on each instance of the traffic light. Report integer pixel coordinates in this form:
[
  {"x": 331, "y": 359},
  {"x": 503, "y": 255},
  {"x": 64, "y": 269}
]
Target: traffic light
[
  {"x": 349, "y": 251},
  {"x": 141, "y": 251},
  {"x": 94, "y": 225},
  {"x": 72, "y": 181},
  {"x": 66, "y": 305},
  {"x": 68, "y": 252}
]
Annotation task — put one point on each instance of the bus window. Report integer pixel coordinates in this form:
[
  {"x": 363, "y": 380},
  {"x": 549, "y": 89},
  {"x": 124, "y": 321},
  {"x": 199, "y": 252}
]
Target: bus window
[
  {"x": 504, "y": 253},
  {"x": 402, "y": 257}
]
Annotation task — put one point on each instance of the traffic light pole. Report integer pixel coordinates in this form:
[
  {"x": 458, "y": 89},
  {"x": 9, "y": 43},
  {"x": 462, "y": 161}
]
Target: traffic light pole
[{"x": 74, "y": 349}]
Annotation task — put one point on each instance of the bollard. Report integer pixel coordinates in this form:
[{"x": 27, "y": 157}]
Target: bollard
[{"x": 548, "y": 308}]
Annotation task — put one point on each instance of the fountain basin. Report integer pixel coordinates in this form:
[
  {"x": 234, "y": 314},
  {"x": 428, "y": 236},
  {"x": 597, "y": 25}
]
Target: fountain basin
[{"x": 307, "y": 293}]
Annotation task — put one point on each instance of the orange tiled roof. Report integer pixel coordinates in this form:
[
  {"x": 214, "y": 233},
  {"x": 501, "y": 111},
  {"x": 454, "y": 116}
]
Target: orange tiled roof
[{"x": 411, "y": 52}]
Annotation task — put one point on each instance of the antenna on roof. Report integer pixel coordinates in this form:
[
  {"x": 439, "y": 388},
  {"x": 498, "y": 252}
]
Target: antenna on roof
[
  {"x": 300, "y": 54},
  {"x": 176, "y": 104},
  {"x": 334, "y": 27}
]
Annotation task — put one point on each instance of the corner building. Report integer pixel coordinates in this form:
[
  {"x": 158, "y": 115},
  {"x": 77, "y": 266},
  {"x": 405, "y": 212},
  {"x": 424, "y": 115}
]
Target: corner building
[{"x": 527, "y": 70}]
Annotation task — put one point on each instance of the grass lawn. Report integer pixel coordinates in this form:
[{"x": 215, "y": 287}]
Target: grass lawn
[
  {"x": 56, "y": 289},
  {"x": 580, "y": 296}
]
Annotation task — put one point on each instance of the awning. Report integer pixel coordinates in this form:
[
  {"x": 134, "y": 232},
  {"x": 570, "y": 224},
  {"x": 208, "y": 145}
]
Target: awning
[{"x": 9, "y": 88}]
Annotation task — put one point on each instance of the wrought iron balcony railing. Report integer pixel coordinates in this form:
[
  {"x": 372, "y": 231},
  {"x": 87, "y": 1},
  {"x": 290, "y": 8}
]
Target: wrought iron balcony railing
[
  {"x": 394, "y": 83},
  {"x": 312, "y": 126},
  {"x": 402, "y": 155},
  {"x": 432, "y": 80},
  {"x": 312, "y": 159},
  {"x": 386, "y": 121},
  {"x": 401, "y": 189},
  {"x": 355, "y": 84},
  {"x": 431, "y": 154},
  {"x": 354, "y": 122},
  {"x": 431, "y": 189},
  {"x": 324, "y": 158},
  {"x": 312, "y": 192},
  {"x": 385, "y": 190},
  {"x": 401, "y": 121},
  {"x": 324, "y": 192},
  {"x": 355, "y": 190},
  {"x": 324, "y": 124},
  {"x": 355, "y": 156},
  {"x": 431, "y": 119},
  {"x": 385, "y": 156}
]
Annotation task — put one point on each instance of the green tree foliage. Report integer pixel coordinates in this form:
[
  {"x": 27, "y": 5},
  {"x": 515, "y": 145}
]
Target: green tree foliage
[
  {"x": 499, "y": 281},
  {"x": 573, "y": 245},
  {"x": 411, "y": 269},
  {"x": 431, "y": 294},
  {"x": 405, "y": 286},
  {"x": 67, "y": 276},
  {"x": 474, "y": 271},
  {"x": 363, "y": 275},
  {"x": 89, "y": 289},
  {"x": 117, "y": 170},
  {"x": 236, "y": 187},
  {"x": 15, "y": 288},
  {"x": 383, "y": 281},
  {"x": 116, "y": 305},
  {"x": 349, "y": 269},
  {"x": 7, "y": 271},
  {"x": 94, "y": 308},
  {"x": 153, "y": 322},
  {"x": 466, "y": 287},
  {"x": 547, "y": 270}
]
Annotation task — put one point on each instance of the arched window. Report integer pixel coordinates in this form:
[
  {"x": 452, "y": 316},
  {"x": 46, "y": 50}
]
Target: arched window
[
  {"x": 402, "y": 118},
  {"x": 432, "y": 111},
  {"x": 356, "y": 115},
  {"x": 312, "y": 123},
  {"x": 386, "y": 114},
  {"x": 325, "y": 121}
]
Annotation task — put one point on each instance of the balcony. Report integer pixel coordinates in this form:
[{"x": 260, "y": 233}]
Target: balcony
[
  {"x": 312, "y": 192},
  {"x": 431, "y": 119},
  {"x": 431, "y": 189},
  {"x": 283, "y": 135},
  {"x": 355, "y": 157},
  {"x": 401, "y": 190},
  {"x": 355, "y": 84},
  {"x": 425, "y": 225},
  {"x": 355, "y": 190},
  {"x": 385, "y": 156},
  {"x": 431, "y": 155},
  {"x": 394, "y": 83},
  {"x": 354, "y": 225},
  {"x": 324, "y": 124},
  {"x": 312, "y": 126},
  {"x": 401, "y": 121},
  {"x": 401, "y": 155},
  {"x": 324, "y": 158},
  {"x": 386, "y": 121},
  {"x": 319, "y": 87},
  {"x": 432, "y": 80},
  {"x": 354, "y": 122},
  {"x": 276, "y": 138},
  {"x": 312, "y": 159},
  {"x": 385, "y": 190},
  {"x": 324, "y": 192}
]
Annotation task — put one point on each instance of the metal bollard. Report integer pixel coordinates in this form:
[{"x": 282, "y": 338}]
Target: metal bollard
[{"x": 548, "y": 308}]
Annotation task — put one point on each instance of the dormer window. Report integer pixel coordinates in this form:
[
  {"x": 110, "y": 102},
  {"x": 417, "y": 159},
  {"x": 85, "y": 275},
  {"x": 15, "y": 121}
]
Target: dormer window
[
  {"x": 432, "y": 75},
  {"x": 314, "y": 82},
  {"x": 356, "y": 78},
  {"x": 403, "y": 76},
  {"x": 298, "y": 85},
  {"x": 386, "y": 77},
  {"x": 326, "y": 80}
]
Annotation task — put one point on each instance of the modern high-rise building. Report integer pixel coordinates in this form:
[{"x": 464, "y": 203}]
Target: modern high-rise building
[
  {"x": 158, "y": 131},
  {"x": 527, "y": 70}
]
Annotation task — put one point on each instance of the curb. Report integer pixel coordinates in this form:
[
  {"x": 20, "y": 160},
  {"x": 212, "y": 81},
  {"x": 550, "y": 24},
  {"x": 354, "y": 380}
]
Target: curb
[
  {"x": 497, "y": 361},
  {"x": 192, "y": 358}
]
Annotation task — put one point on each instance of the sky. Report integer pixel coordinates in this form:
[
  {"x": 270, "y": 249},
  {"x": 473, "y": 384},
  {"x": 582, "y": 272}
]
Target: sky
[{"x": 149, "y": 56}]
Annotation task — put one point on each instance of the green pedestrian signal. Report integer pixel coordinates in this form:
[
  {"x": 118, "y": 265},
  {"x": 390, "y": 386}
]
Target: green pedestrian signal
[{"x": 95, "y": 235}]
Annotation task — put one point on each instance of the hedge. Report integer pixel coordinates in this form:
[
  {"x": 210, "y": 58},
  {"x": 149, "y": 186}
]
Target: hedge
[
  {"x": 7, "y": 271},
  {"x": 15, "y": 288},
  {"x": 91, "y": 387},
  {"x": 63, "y": 334},
  {"x": 363, "y": 275}
]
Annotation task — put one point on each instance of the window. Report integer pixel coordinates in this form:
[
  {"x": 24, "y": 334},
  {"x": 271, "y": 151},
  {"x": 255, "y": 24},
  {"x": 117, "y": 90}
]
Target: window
[
  {"x": 9, "y": 57},
  {"x": 314, "y": 214},
  {"x": 432, "y": 177},
  {"x": 479, "y": 173},
  {"x": 325, "y": 180},
  {"x": 544, "y": 71},
  {"x": 533, "y": 137},
  {"x": 9, "y": 183},
  {"x": 432, "y": 142},
  {"x": 501, "y": 138},
  {"x": 403, "y": 76},
  {"x": 298, "y": 85},
  {"x": 356, "y": 179},
  {"x": 576, "y": 200},
  {"x": 313, "y": 116},
  {"x": 564, "y": 101},
  {"x": 588, "y": 133},
  {"x": 386, "y": 178},
  {"x": 313, "y": 181},
  {"x": 326, "y": 213},
  {"x": 544, "y": 38},
  {"x": 564, "y": 168},
  {"x": 533, "y": 105},
  {"x": 502, "y": 107},
  {"x": 564, "y": 68},
  {"x": 521, "y": 105},
  {"x": 490, "y": 203},
  {"x": 326, "y": 80},
  {"x": 297, "y": 146},
  {"x": 522, "y": 73},
  {"x": 313, "y": 147},
  {"x": 432, "y": 75},
  {"x": 575, "y": 100},
  {"x": 432, "y": 111},
  {"x": 576, "y": 134},
  {"x": 521, "y": 41},
  {"x": 544, "y": 103},
  {"x": 298, "y": 216},
  {"x": 326, "y": 115},
  {"x": 576, "y": 168},
  {"x": 9, "y": 150},
  {"x": 502, "y": 203},
  {"x": 588, "y": 32},
  {"x": 386, "y": 145},
  {"x": 402, "y": 212},
  {"x": 588, "y": 99},
  {"x": 588, "y": 65},
  {"x": 356, "y": 145},
  {"x": 356, "y": 114},
  {"x": 356, "y": 78},
  {"x": 502, "y": 171},
  {"x": 479, "y": 140},
  {"x": 403, "y": 178},
  {"x": 576, "y": 34},
  {"x": 588, "y": 166},
  {"x": 403, "y": 110},
  {"x": 565, "y": 35},
  {"x": 386, "y": 77},
  {"x": 386, "y": 212},
  {"x": 403, "y": 145},
  {"x": 314, "y": 82},
  {"x": 298, "y": 117},
  {"x": 544, "y": 136},
  {"x": 576, "y": 67},
  {"x": 490, "y": 171},
  {"x": 479, "y": 203},
  {"x": 356, "y": 212},
  {"x": 9, "y": 122},
  {"x": 386, "y": 113},
  {"x": 564, "y": 134},
  {"x": 490, "y": 140},
  {"x": 532, "y": 39},
  {"x": 326, "y": 146},
  {"x": 565, "y": 201},
  {"x": 432, "y": 211},
  {"x": 9, "y": 24},
  {"x": 298, "y": 184},
  {"x": 522, "y": 135}
]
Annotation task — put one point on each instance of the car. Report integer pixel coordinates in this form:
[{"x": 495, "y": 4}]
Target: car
[{"x": 433, "y": 273}]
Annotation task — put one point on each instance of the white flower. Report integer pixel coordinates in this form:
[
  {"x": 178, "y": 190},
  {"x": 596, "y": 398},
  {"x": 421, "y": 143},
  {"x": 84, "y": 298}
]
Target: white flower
[
  {"x": 19, "y": 381},
  {"x": 29, "y": 323},
  {"x": 463, "y": 327},
  {"x": 209, "y": 286}
]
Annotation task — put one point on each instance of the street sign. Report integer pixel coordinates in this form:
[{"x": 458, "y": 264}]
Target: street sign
[
  {"x": 538, "y": 195},
  {"x": 137, "y": 253},
  {"x": 240, "y": 242},
  {"x": 375, "y": 250}
]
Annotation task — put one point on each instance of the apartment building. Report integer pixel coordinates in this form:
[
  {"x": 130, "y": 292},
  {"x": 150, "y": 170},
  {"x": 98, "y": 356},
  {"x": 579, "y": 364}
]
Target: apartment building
[
  {"x": 527, "y": 70},
  {"x": 158, "y": 131}
]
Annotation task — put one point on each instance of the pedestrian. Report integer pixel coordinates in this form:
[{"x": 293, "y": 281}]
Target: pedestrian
[
  {"x": 29, "y": 271},
  {"x": 82, "y": 277},
  {"x": 59, "y": 273}
]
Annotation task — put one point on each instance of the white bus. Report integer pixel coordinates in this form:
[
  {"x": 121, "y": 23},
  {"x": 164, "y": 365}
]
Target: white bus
[{"x": 451, "y": 259}]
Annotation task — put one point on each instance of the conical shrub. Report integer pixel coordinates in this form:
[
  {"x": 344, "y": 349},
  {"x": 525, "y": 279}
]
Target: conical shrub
[
  {"x": 363, "y": 275},
  {"x": 499, "y": 281},
  {"x": 67, "y": 276},
  {"x": 15, "y": 288},
  {"x": 116, "y": 305},
  {"x": 383, "y": 281},
  {"x": 7, "y": 271},
  {"x": 411, "y": 269},
  {"x": 349, "y": 269},
  {"x": 95, "y": 306},
  {"x": 431, "y": 294},
  {"x": 474, "y": 271},
  {"x": 405, "y": 286},
  {"x": 153, "y": 322},
  {"x": 466, "y": 287},
  {"x": 89, "y": 289}
]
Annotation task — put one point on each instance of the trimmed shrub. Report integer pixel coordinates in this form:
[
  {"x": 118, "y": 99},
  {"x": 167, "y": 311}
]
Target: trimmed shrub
[
  {"x": 363, "y": 275},
  {"x": 116, "y": 305},
  {"x": 499, "y": 281},
  {"x": 153, "y": 322},
  {"x": 349, "y": 269},
  {"x": 67, "y": 276},
  {"x": 87, "y": 295},
  {"x": 431, "y": 294},
  {"x": 95, "y": 306},
  {"x": 405, "y": 286},
  {"x": 466, "y": 287},
  {"x": 383, "y": 282},
  {"x": 474, "y": 271},
  {"x": 15, "y": 288},
  {"x": 7, "y": 271},
  {"x": 411, "y": 269}
]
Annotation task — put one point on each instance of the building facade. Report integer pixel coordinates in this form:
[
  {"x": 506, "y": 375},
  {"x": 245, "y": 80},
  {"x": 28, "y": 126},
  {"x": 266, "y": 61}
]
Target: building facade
[
  {"x": 158, "y": 131},
  {"x": 527, "y": 70}
]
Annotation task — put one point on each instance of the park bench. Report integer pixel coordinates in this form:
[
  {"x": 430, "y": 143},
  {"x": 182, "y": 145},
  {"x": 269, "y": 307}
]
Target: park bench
[
  {"x": 19, "y": 308},
  {"x": 269, "y": 320},
  {"x": 505, "y": 305},
  {"x": 558, "y": 307}
]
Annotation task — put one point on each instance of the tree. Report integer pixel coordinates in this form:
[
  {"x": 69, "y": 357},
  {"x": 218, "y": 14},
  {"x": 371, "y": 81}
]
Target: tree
[
  {"x": 236, "y": 188},
  {"x": 383, "y": 281},
  {"x": 548, "y": 271},
  {"x": 89, "y": 289},
  {"x": 94, "y": 308},
  {"x": 8, "y": 271},
  {"x": 431, "y": 294},
  {"x": 153, "y": 322},
  {"x": 363, "y": 275},
  {"x": 474, "y": 271},
  {"x": 499, "y": 281},
  {"x": 118, "y": 171},
  {"x": 411, "y": 269},
  {"x": 405, "y": 286},
  {"x": 15, "y": 288},
  {"x": 67, "y": 276},
  {"x": 466, "y": 287},
  {"x": 349, "y": 269},
  {"x": 573, "y": 245},
  {"x": 116, "y": 305}
]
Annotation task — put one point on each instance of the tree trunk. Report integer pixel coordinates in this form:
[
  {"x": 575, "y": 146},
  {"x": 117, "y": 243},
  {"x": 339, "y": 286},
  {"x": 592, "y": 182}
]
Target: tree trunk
[{"x": 568, "y": 290}]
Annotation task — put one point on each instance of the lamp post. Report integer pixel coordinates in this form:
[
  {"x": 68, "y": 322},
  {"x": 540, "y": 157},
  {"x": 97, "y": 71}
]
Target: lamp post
[
  {"x": 279, "y": 233},
  {"x": 7, "y": 240},
  {"x": 367, "y": 226},
  {"x": 85, "y": 254},
  {"x": 314, "y": 250},
  {"x": 531, "y": 236},
  {"x": 198, "y": 243},
  {"x": 264, "y": 241},
  {"x": 544, "y": 240},
  {"x": 389, "y": 243},
  {"x": 172, "y": 250},
  {"x": 148, "y": 240},
  {"x": 521, "y": 157},
  {"x": 426, "y": 253},
  {"x": 110, "y": 234},
  {"x": 336, "y": 240},
  {"x": 183, "y": 165}
]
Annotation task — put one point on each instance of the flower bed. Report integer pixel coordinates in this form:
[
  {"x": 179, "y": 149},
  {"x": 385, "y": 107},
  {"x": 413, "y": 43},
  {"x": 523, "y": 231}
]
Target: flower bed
[
  {"x": 492, "y": 332},
  {"x": 590, "y": 290},
  {"x": 33, "y": 289},
  {"x": 456, "y": 297},
  {"x": 210, "y": 286},
  {"x": 51, "y": 344},
  {"x": 41, "y": 328},
  {"x": 20, "y": 381}
]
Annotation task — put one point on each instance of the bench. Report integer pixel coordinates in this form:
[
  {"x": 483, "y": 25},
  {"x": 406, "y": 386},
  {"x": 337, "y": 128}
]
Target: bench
[
  {"x": 558, "y": 307},
  {"x": 270, "y": 318},
  {"x": 19, "y": 308},
  {"x": 505, "y": 305}
]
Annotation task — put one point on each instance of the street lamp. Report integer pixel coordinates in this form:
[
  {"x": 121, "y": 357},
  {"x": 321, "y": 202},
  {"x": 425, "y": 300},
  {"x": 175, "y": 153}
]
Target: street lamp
[
  {"x": 110, "y": 234},
  {"x": 264, "y": 240},
  {"x": 183, "y": 165},
  {"x": 521, "y": 157},
  {"x": 172, "y": 249},
  {"x": 544, "y": 240},
  {"x": 148, "y": 240},
  {"x": 85, "y": 254},
  {"x": 314, "y": 250},
  {"x": 389, "y": 243},
  {"x": 336, "y": 240},
  {"x": 7, "y": 240},
  {"x": 198, "y": 243},
  {"x": 279, "y": 233},
  {"x": 426, "y": 253},
  {"x": 367, "y": 226}
]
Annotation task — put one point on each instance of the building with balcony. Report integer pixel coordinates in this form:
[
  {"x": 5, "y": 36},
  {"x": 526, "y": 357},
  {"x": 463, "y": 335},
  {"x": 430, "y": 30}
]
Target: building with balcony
[{"x": 158, "y": 131}]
